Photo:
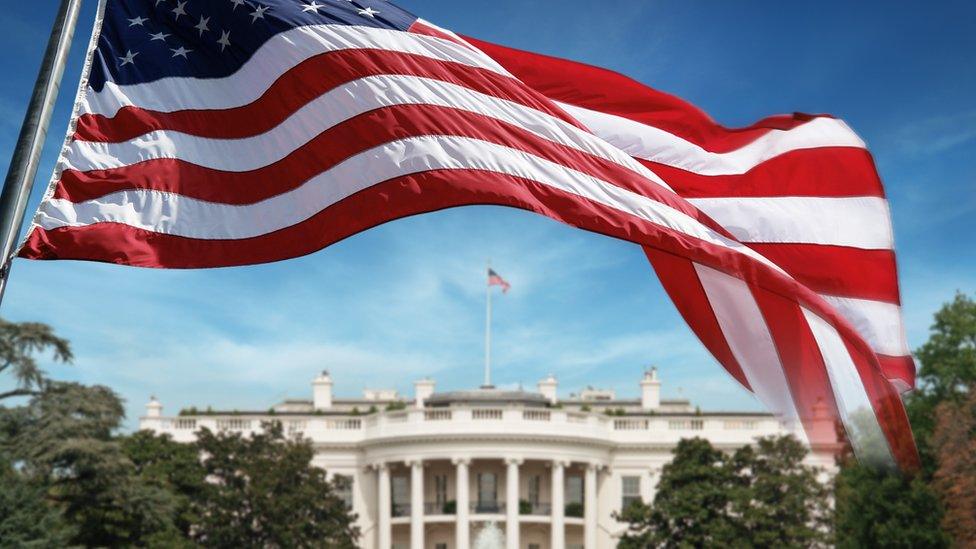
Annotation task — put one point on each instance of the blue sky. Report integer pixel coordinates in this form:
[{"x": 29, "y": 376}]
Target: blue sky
[{"x": 407, "y": 299}]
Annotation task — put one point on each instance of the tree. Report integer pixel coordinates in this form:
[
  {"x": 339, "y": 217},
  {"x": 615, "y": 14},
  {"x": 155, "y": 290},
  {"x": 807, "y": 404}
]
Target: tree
[
  {"x": 876, "y": 508},
  {"x": 19, "y": 342},
  {"x": 691, "y": 508},
  {"x": 265, "y": 492},
  {"x": 170, "y": 466},
  {"x": 26, "y": 518},
  {"x": 949, "y": 356},
  {"x": 62, "y": 441},
  {"x": 780, "y": 501},
  {"x": 955, "y": 478},
  {"x": 762, "y": 496}
]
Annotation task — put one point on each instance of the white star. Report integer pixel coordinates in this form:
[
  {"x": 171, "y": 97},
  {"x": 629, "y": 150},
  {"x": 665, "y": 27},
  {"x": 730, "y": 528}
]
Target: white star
[
  {"x": 368, "y": 12},
  {"x": 202, "y": 25},
  {"x": 313, "y": 6},
  {"x": 237, "y": 3},
  {"x": 129, "y": 58},
  {"x": 258, "y": 13},
  {"x": 137, "y": 21},
  {"x": 180, "y": 52},
  {"x": 224, "y": 39},
  {"x": 179, "y": 10},
  {"x": 158, "y": 36}
]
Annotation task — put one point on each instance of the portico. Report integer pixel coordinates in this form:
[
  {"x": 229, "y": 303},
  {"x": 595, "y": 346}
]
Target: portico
[{"x": 450, "y": 499}]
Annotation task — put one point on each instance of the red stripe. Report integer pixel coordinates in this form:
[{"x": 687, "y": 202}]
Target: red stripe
[
  {"x": 301, "y": 84},
  {"x": 838, "y": 270},
  {"x": 361, "y": 133},
  {"x": 823, "y": 171},
  {"x": 681, "y": 282},
  {"x": 803, "y": 365},
  {"x": 613, "y": 93},
  {"x": 419, "y": 27},
  {"x": 890, "y": 411},
  {"x": 899, "y": 368}
]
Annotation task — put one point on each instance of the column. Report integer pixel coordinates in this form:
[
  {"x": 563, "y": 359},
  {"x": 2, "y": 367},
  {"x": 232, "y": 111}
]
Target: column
[
  {"x": 384, "y": 530},
  {"x": 512, "y": 503},
  {"x": 461, "y": 527},
  {"x": 558, "y": 504},
  {"x": 417, "y": 504},
  {"x": 589, "y": 511}
]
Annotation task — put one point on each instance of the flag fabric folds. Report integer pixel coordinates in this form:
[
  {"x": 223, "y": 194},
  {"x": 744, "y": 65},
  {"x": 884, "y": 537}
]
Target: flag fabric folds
[
  {"x": 233, "y": 133},
  {"x": 494, "y": 279}
]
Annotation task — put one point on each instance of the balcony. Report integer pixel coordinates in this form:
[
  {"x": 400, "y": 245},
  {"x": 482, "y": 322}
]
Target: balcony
[
  {"x": 536, "y": 509},
  {"x": 487, "y": 508},
  {"x": 493, "y": 421},
  {"x": 445, "y": 508}
]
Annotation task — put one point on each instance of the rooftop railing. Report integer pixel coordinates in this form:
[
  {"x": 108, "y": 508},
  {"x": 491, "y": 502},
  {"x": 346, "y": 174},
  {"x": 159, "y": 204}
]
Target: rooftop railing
[{"x": 463, "y": 419}]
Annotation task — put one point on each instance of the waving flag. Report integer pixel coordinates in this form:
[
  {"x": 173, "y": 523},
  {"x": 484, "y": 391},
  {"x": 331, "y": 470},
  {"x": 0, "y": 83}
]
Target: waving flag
[
  {"x": 234, "y": 132},
  {"x": 495, "y": 279}
]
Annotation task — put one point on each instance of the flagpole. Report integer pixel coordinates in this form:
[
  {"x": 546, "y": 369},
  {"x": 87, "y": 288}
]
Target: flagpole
[
  {"x": 487, "y": 330},
  {"x": 27, "y": 153}
]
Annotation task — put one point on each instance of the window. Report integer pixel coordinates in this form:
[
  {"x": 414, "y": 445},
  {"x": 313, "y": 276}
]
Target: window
[
  {"x": 440, "y": 490},
  {"x": 630, "y": 491},
  {"x": 535, "y": 485},
  {"x": 343, "y": 488},
  {"x": 401, "y": 496},
  {"x": 487, "y": 493},
  {"x": 574, "y": 489}
]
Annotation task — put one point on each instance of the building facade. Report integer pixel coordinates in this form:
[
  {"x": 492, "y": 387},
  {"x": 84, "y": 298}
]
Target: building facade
[{"x": 441, "y": 469}]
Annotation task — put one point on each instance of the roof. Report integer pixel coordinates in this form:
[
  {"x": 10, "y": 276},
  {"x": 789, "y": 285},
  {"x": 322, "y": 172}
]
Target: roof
[{"x": 487, "y": 396}]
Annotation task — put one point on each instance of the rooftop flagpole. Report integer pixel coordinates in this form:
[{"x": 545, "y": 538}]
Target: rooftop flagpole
[
  {"x": 27, "y": 153},
  {"x": 487, "y": 328}
]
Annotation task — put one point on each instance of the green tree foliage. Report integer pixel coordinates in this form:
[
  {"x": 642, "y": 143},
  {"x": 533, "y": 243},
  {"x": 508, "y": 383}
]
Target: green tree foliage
[
  {"x": 762, "y": 496},
  {"x": 885, "y": 509},
  {"x": 781, "y": 502},
  {"x": 27, "y": 519},
  {"x": 19, "y": 342},
  {"x": 63, "y": 440},
  {"x": 170, "y": 466},
  {"x": 878, "y": 509},
  {"x": 265, "y": 493}
]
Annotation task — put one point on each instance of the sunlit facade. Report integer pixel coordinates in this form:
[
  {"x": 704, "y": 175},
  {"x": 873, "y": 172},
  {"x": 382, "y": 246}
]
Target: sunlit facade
[{"x": 434, "y": 471}]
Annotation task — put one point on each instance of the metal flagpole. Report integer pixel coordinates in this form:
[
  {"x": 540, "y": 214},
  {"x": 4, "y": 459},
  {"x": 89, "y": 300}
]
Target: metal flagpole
[
  {"x": 487, "y": 330},
  {"x": 27, "y": 154}
]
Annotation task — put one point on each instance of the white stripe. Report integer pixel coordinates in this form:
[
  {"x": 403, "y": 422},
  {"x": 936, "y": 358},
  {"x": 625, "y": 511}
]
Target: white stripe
[
  {"x": 745, "y": 330},
  {"x": 328, "y": 110},
  {"x": 859, "y": 222},
  {"x": 274, "y": 58},
  {"x": 657, "y": 145},
  {"x": 879, "y": 323},
  {"x": 857, "y": 413},
  {"x": 180, "y": 215}
]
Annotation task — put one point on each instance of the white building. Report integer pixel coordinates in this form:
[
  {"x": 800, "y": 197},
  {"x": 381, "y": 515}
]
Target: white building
[{"x": 432, "y": 471}]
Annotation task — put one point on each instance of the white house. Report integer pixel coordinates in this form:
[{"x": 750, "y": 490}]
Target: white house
[{"x": 439, "y": 469}]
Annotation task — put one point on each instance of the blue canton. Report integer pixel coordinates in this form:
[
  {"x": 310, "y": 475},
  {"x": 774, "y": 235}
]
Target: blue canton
[{"x": 145, "y": 40}]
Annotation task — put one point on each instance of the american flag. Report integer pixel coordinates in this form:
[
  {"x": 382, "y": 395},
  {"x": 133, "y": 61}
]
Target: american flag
[
  {"x": 495, "y": 279},
  {"x": 231, "y": 132}
]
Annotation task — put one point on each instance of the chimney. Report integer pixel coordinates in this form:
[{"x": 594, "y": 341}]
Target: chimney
[
  {"x": 154, "y": 408},
  {"x": 547, "y": 387},
  {"x": 422, "y": 389},
  {"x": 650, "y": 390},
  {"x": 322, "y": 391}
]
